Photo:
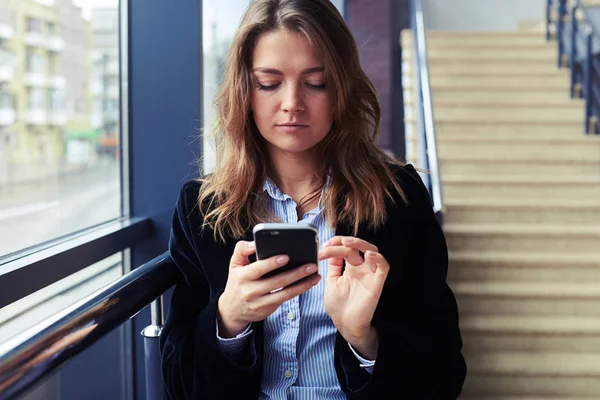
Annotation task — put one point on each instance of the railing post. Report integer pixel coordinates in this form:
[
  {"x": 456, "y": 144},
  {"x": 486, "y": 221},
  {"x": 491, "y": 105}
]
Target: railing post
[
  {"x": 588, "y": 79},
  {"x": 151, "y": 334},
  {"x": 573, "y": 57},
  {"x": 548, "y": 17},
  {"x": 562, "y": 11}
]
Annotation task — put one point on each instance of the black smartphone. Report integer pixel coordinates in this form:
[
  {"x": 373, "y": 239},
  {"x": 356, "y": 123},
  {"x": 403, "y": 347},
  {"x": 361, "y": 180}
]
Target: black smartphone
[{"x": 299, "y": 241}]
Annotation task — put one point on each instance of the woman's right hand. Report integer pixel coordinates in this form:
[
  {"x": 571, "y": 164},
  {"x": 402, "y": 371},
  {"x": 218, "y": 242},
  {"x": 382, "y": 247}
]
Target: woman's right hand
[{"x": 248, "y": 298}]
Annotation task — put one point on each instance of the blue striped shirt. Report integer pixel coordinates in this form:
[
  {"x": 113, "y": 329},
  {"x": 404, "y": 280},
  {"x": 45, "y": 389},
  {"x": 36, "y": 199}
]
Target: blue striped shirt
[{"x": 299, "y": 336}]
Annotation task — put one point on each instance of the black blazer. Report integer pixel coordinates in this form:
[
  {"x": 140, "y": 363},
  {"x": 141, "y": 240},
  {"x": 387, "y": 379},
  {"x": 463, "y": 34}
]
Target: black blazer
[{"x": 420, "y": 342}]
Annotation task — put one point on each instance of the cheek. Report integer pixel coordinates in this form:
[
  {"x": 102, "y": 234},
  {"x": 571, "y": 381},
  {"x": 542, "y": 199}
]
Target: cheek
[{"x": 323, "y": 110}]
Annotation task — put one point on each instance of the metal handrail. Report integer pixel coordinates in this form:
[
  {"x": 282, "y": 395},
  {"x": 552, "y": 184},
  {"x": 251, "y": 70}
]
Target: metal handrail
[
  {"x": 425, "y": 107},
  {"x": 40, "y": 350},
  {"x": 585, "y": 70}
]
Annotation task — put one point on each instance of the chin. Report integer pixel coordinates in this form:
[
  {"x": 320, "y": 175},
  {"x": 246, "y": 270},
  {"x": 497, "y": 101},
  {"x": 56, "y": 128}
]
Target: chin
[{"x": 293, "y": 147}]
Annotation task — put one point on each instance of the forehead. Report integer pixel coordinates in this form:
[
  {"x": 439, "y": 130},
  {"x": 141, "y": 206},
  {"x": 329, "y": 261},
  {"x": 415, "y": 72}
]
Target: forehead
[{"x": 284, "y": 49}]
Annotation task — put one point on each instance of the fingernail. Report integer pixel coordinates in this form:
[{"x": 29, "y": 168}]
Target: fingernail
[
  {"x": 251, "y": 245},
  {"x": 311, "y": 268},
  {"x": 348, "y": 240},
  {"x": 315, "y": 280},
  {"x": 325, "y": 244},
  {"x": 282, "y": 260},
  {"x": 371, "y": 253}
]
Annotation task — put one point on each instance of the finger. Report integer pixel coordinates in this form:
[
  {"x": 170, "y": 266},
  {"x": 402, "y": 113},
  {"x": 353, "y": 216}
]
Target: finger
[
  {"x": 243, "y": 249},
  {"x": 257, "y": 269},
  {"x": 351, "y": 241},
  {"x": 359, "y": 244},
  {"x": 377, "y": 262},
  {"x": 335, "y": 267},
  {"x": 288, "y": 292},
  {"x": 285, "y": 279},
  {"x": 371, "y": 260},
  {"x": 347, "y": 253}
]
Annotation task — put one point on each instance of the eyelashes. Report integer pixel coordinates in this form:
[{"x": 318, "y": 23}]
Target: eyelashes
[{"x": 269, "y": 88}]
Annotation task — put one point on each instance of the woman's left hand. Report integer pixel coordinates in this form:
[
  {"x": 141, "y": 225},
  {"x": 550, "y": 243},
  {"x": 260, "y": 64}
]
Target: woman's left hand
[{"x": 351, "y": 296}]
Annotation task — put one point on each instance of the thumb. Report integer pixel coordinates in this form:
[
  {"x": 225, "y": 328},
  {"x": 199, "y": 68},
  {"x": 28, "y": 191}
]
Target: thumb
[{"x": 242, "y": 251}]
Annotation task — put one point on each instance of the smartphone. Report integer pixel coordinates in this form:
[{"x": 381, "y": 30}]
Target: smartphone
[{"x": 299, "y": 241}]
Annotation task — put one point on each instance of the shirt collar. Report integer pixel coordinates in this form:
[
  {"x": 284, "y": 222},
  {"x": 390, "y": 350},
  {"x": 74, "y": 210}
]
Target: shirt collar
[{"x": 271, "y": 188}]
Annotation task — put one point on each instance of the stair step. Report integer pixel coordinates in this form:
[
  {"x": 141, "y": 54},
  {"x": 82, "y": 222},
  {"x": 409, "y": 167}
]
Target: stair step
[
  {"x": 515, "y": 186},
  {"x": 476, "y": 39},
  {"x": 474, "y": 266},
  {"x": 514, "y": 152},
  {"x": 554, "y": 103},
  {"x": 535, "y": 364},
  {"x": 523, "y": 237},
  {"x": 472, "y": 41},
  {"x": 478, "y": 386},
  {"x": 459, "y": 66},
  {"x": 529, "y": 130},
  {"x": 529, "y": 290},
  {"x": 526, "y": 262},
  {"x": 529, "y": 373},
  {"x": 487, "y": 54},
  {"x": 457, "y": 166},
  {"x": 511, "y": 114},
  {"x": 528, "y": 298},
  {"x": 519, "y": 139},
  {"x": 534, "y": 343},
  {"x": 530, "y": 211},
  {"x": 462, "y": 35},
  {"x": 504, "y": 83},
  {"x": 524, "y": 398},
  {"x": 547, "y": 334},
  {"x": 554, "y": 95},
  {"x": 521, "y": 325}
]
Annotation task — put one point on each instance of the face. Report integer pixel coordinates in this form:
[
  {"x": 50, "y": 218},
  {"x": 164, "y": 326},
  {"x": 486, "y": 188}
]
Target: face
[{"x": 291, "y": 101}]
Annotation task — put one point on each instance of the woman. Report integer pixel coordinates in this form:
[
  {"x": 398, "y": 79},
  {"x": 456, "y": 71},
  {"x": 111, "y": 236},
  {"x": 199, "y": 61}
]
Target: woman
[{"x": 296, "y": 143}]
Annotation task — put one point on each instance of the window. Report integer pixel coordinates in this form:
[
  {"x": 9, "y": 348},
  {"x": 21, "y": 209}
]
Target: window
[
  {"x": 33, "y": 25},
  {"x": 65, "y": 164},
  {"x": 36, "y": 99},
  {"x": 56, "y": 100},
  {"x": 36, "y": 63}
]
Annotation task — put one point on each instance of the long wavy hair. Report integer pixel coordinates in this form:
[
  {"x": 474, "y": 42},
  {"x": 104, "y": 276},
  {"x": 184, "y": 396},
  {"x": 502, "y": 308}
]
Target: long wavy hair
[{"x": 231, "y": 199}]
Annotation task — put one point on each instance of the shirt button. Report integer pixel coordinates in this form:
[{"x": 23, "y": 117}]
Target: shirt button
[
  {"x": 290, "y": 316},
  {"x": 288, "y": 374}
]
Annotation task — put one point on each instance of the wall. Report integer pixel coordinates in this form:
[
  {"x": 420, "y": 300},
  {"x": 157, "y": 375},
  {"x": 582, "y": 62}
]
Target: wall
[
  {"x": 375, "y": 27},
  {"x": 481, "y": 15}
]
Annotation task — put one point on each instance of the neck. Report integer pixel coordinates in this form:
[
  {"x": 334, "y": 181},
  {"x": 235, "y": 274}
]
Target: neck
[{"x": 294, "y": 173}]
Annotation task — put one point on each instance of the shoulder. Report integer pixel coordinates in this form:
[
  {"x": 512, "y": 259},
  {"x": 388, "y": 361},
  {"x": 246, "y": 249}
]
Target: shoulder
[
  {"x": 190, "y": 190},
  {"x": 189, "y": 194},
  {"x": 411, "y": 183}
]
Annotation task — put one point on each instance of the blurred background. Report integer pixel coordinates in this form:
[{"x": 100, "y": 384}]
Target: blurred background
[{"x": 101, "y": 107}]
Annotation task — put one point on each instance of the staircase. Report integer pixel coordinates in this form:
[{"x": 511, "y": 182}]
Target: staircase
[{"x": 521, "y": 189}]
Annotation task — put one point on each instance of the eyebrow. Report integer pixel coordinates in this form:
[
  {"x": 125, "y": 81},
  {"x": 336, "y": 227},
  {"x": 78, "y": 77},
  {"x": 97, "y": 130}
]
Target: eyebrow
[{"x": 277, "y": 72}]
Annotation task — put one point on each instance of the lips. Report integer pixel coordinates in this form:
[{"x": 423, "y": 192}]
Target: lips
[
  {"x": 292, "y": 128},
  {"x": 293, "y": 125}
]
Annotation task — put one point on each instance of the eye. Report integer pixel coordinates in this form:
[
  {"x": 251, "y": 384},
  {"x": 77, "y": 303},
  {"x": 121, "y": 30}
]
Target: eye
[
  {"x": 267, "y": 87},
  {"x": 317, "y": 87}
]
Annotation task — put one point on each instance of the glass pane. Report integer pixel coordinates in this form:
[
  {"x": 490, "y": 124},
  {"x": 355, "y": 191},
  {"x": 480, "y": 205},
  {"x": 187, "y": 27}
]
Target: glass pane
[
  {"x": 30, "y": 310},
  {"x": 220, "y": 19},
  {"x": 59, "y": 150}
]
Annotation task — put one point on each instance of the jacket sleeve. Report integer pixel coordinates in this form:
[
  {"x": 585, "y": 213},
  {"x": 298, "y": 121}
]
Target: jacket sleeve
[
  {"x": 193, "y": 366},
  {"x": 420, "y": 344}
]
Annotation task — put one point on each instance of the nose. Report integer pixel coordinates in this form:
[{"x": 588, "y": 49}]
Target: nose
[{"x": 292, "y": 100}]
